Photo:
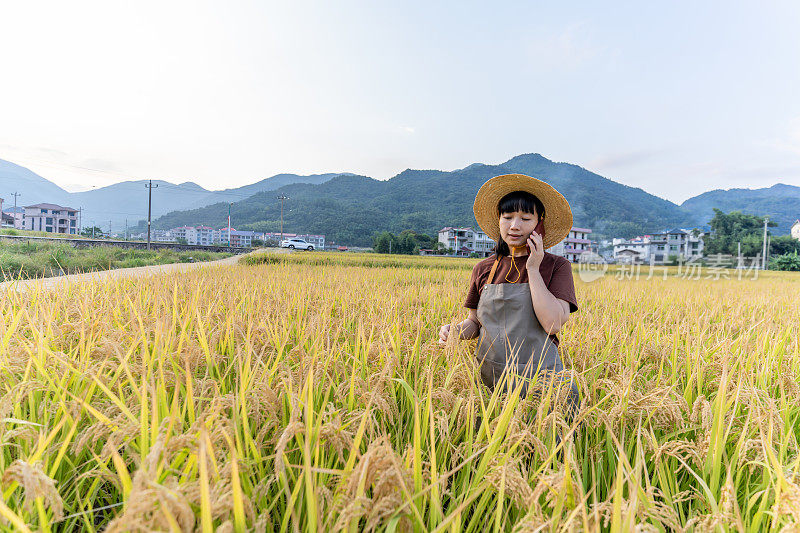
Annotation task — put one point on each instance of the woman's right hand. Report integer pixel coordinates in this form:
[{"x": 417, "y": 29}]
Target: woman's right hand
[{"x": 444, "y": 333}]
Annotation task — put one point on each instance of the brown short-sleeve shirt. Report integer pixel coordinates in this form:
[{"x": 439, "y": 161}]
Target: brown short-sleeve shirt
[{"x": 556, "y": 271}]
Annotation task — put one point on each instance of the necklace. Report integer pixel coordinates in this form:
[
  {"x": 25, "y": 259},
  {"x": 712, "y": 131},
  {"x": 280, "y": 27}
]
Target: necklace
[{"x": 514, "y": 264}]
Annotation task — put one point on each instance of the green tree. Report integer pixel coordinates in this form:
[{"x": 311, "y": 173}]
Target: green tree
[
  {"x": 785, "y": 262},
  {"x": 407, "y": 244},
  {"x": 383, "y": 243},
  {"x": 93, "y": 231},
  {"x": 783, "y": 244},
  {"x": 727, "y": 230}
]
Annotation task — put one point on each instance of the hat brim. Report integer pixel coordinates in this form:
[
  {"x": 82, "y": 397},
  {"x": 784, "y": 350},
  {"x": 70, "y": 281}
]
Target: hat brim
[{"x": 558, "y": 214}]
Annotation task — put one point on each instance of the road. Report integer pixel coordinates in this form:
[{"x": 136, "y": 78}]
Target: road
[{"x": 118, "y": 273}]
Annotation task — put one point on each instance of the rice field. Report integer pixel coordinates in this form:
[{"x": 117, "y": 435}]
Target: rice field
[{"x": 308, "y": 392}]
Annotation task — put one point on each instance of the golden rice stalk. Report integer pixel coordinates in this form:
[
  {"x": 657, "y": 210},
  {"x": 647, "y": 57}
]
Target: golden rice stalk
[{"x": 36, "y": 484}]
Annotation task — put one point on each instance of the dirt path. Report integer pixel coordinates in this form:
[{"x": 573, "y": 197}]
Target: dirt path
[{"x": 57, "y": 281}]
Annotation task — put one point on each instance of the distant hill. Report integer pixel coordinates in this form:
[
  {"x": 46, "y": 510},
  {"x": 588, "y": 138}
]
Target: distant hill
[
  {"x": 32, "y": 187},
  {"x": 128, "y": 199},
  {"x": 781, "y": 203},
  {"x": 350, "y": 209}
]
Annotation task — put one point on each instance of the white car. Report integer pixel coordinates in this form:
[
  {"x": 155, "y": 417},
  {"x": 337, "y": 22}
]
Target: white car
[{"x": 299, "y": 244}]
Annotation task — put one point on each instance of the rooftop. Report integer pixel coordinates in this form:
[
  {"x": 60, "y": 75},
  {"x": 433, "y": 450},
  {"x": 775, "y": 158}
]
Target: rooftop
[{"x": 49, "y": 206}]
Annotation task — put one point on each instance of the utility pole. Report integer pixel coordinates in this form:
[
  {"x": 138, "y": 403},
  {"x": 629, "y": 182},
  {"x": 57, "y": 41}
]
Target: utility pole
[
  {"x": 764, "y": 246},
  {"x": 15, "y": 194},
  {"x": 109, "y": 229},
  {"x": 769, "y": 242},
  {"x": 80, "y": 220},
  {"x": 739, "y": 256},
  {"x": 229, "y": 223},
  {"x": 149, "y": 186},
  {"x": 93, "y": 226},
  {"x": 282, "y": 197},
  {"x": 126, "y": 229}
]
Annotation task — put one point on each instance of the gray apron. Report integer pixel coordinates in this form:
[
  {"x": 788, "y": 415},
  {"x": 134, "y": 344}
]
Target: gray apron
[{"x": 513, "y": 341}]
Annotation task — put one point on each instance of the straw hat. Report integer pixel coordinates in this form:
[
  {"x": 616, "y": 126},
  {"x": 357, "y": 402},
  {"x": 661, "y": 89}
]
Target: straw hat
[{"x": 558, "y": 215}]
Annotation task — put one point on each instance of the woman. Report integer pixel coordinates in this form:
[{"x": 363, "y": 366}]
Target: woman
[{"x": 521, "y": 296}]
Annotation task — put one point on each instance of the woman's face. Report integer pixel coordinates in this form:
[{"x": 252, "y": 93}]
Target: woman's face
[{"x": 515, "y": 227}]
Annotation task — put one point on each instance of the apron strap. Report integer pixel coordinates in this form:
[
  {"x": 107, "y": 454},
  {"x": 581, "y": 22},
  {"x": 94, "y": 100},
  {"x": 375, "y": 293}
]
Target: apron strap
[{"x": 491, "y": 274}]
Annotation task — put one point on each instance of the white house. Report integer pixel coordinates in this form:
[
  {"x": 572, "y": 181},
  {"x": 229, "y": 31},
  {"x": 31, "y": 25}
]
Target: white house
[
  {"x": 162, "y": 235},
  {"x": 189, "y": 233},
  {"x": 636, "y": 250},
  {"x": 796, "y": 230},
  {"x": 204, "y": 235},
  {"x": 657, "y": 248},
  {"x": 51, "y": 218},
  {"x": 575, "y": 244},
  {"x": 678, "y": 242},
  {"x": 466, "y": 241}
]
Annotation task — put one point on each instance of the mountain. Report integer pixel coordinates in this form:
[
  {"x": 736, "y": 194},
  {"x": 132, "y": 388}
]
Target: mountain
[
  {"x": 127, "y": 200},
  {"x": 32, "y": 187},
  {"x": 781, "y": 203},
  {"x": 267, "y": 184},
  {"x": 350, "y": 209}
]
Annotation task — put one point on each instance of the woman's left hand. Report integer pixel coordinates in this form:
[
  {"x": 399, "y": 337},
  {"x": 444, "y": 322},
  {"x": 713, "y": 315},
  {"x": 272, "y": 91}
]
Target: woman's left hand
[{"x": 536, "y": 250}]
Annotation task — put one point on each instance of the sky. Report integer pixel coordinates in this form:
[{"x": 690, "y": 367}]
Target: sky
[{"x": 674, "y": 97}]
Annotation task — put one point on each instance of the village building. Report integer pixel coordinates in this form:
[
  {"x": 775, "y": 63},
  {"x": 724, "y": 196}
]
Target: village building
[{"x": 51, "y": 218}]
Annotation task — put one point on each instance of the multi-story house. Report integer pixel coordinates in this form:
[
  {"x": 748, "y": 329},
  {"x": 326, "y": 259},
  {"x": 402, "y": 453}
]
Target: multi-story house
[
  {"x": 636, "y": 250},
  {"x": 681, "y": 243},
  {"x": 51, "y": 218},
  {"x": 188, "y": 233},
  {"x": 243, "y": 238},
  {"x": 575, "y": 244},
  {"x": 204, "y": 235},
  {"x": 796, "y": 230},
  {"x": 466, "y": 241},
  {"x": 221, "y": 235},
  {"x": 660, "y": 248}
]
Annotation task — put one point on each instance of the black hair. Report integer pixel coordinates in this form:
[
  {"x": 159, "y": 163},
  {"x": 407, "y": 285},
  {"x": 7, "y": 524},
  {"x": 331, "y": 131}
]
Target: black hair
[{"x": 517, "y": 201}]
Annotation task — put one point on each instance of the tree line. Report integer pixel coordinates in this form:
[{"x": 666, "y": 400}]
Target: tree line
[{"x": 728, "y": 230}]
